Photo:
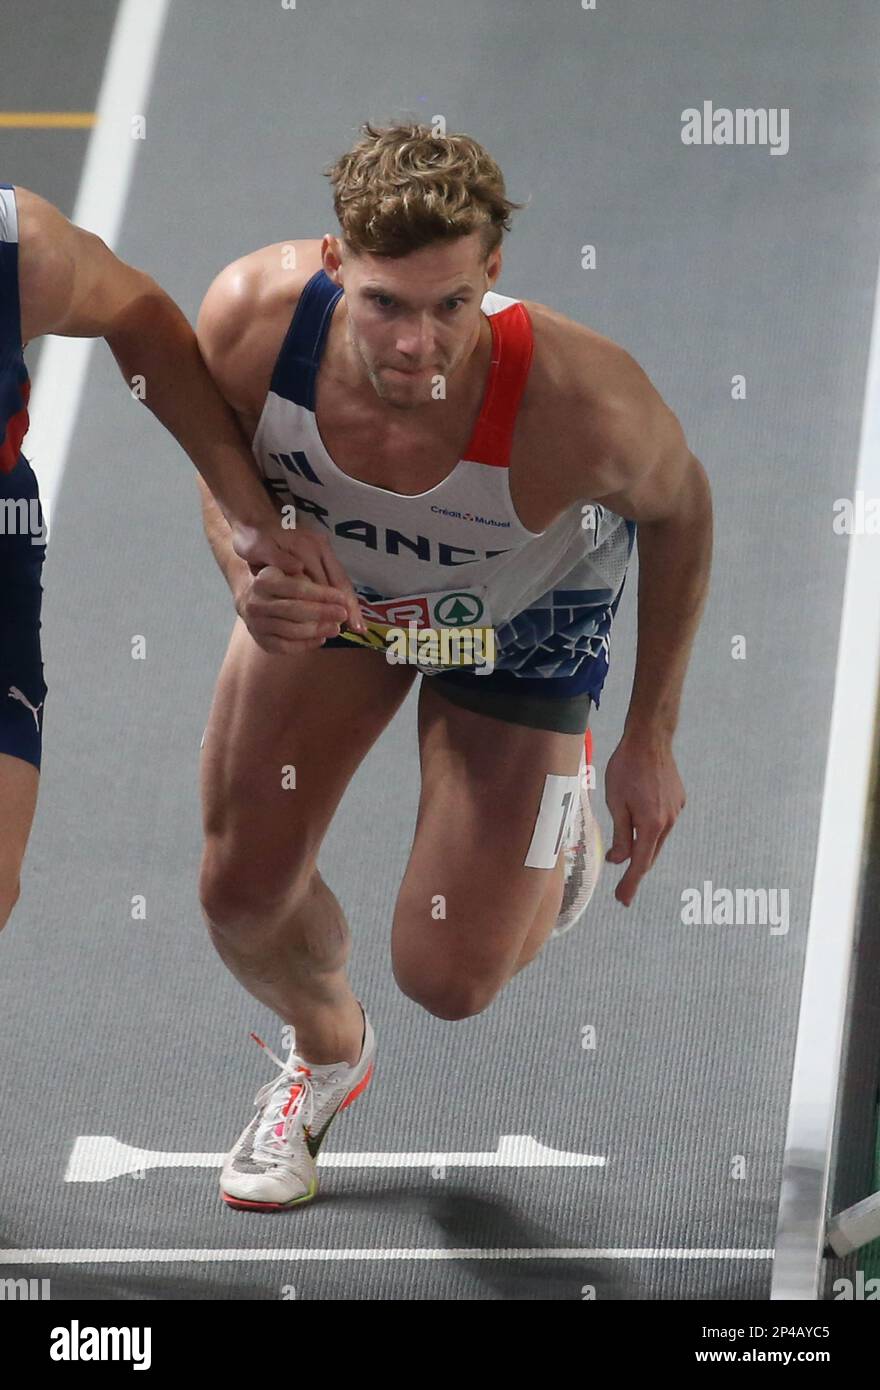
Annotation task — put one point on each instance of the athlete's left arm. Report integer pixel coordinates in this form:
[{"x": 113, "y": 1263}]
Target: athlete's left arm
[
  {"x": 71, "y": 284},
  {"x": 645, "y": 471}
]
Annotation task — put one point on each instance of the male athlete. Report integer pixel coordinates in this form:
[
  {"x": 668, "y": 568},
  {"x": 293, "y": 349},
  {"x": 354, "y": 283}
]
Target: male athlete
[
  {"x": 57, "y": 278},
  {"x": 453, "y": 447}
]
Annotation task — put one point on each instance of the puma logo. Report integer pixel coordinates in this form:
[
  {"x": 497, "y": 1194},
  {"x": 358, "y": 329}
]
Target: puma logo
[{"x": 15, "y": 694}]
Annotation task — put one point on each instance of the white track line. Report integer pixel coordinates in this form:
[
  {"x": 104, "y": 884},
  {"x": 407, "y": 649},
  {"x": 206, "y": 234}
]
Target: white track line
[
  {"x": 107, "y": 171},
  {"x": 87, "y": 1257},
  {"x": 100, "y": 1157},
  {"x": 850, "y": 775}
]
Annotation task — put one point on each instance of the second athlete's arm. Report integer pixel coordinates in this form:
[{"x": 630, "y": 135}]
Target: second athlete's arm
[{"x": 71, "y": 284}]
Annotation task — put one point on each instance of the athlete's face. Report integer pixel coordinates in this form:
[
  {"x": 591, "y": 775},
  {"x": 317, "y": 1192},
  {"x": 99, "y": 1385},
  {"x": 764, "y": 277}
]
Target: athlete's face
[{"x": 414, "y": 318}]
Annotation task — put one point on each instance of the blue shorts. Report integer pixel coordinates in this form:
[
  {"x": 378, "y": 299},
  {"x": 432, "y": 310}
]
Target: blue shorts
[
  {"x": 537, "y": 703},
  {"x": 553, "y": 656},
  {"x": 22, "y": 551}
]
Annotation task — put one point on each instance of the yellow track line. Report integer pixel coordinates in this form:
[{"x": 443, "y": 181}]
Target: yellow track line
[{"x": 48, "y": 120}]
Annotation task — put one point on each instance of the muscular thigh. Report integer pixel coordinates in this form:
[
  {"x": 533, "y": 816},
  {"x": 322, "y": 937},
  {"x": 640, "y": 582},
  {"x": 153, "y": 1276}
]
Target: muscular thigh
[
  {"x": 284, "y": 737},
  {"x": 483, "y": 780}
]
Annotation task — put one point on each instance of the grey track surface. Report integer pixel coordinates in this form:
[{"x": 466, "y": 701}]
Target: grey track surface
[{"x": 711, "y": 262}]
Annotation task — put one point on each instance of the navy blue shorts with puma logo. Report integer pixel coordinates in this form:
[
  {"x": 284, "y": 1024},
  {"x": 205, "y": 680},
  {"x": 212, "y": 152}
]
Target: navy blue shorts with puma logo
[{"x": 22, "y": 552}]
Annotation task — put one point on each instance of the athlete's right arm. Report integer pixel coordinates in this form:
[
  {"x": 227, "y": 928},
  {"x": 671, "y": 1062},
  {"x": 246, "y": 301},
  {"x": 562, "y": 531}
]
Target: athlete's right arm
[{"x": 283, "y": 613}]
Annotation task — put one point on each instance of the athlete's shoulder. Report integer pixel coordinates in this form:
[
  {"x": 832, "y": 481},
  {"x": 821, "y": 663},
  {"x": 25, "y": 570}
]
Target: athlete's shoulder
[
  {"x": 575, "y": 362},
  {"x": 591, "y": 381},
  {"x": 40, "y": 232},
  {"x": 8, "y": 214},
  {"x": 63, "y": 270},
  {"x": 44, "y": 232},
  {"x": 36, "y": 215},
  {"x": 245, "y": 315}
]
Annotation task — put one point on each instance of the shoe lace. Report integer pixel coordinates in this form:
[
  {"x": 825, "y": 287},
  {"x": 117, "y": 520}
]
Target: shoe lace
[{"x": 283, "y": 1100}]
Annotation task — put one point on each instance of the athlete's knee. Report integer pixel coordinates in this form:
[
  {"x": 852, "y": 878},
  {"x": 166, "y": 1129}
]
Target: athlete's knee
[
  {"x": 238, "y": 895},
  {"x": 447, "y": 997}
]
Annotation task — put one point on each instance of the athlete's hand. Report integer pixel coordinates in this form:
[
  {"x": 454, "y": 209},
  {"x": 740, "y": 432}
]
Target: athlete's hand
[
  {"x": 644, "y": 794},
  {"x": 299, "y": 554},
  {"x": 287, "y": 613}
]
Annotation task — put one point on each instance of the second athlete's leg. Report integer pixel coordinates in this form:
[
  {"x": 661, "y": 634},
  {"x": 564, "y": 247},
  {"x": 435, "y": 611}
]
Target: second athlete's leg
[{"x": 19, "y": 782}]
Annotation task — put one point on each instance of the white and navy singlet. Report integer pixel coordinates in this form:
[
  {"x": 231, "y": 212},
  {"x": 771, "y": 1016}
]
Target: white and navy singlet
[{"x": 457, "y": 553}]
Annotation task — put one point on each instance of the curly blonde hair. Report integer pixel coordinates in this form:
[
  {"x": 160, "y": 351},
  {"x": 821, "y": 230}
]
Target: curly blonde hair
[{"x": 402, "y": 187}]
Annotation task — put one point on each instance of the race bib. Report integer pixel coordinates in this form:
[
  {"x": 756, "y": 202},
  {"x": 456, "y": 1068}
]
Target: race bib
[{"x": 430, "y": 631}]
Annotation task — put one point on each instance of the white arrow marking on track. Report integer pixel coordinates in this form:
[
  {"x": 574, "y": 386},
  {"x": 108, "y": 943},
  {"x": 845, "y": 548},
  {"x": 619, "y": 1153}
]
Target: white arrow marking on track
[{"x": 99, "y": 1157}]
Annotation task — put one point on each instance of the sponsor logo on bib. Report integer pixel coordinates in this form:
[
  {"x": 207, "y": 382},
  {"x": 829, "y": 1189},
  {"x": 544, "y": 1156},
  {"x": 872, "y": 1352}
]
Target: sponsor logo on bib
[{"x": 433, "y": 630}]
